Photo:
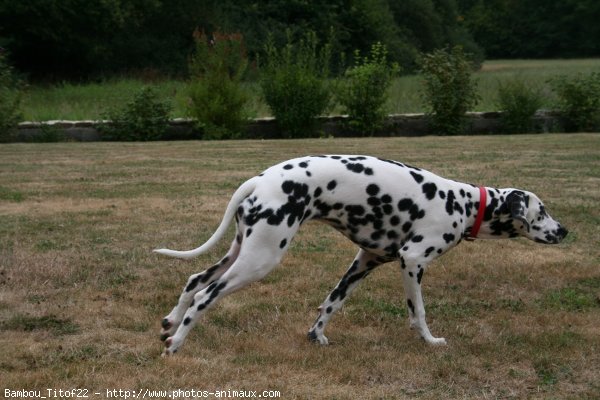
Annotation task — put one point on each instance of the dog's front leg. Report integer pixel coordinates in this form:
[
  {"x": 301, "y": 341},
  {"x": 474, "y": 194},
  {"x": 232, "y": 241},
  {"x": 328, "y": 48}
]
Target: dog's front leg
[
  {"x": 362, "y": 265},
  {"x": 412, "y": 274}
]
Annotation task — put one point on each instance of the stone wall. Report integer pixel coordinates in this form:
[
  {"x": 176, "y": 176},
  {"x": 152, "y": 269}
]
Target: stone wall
[{"x": 480, "y": 123}]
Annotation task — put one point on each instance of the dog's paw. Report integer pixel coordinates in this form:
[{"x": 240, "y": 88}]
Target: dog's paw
[
  {"x": 168, "y": 328},
  {"x": 436, "y": 341},
  {"x": 170, "y": 347},
  {"x": 317, "y": 338}
]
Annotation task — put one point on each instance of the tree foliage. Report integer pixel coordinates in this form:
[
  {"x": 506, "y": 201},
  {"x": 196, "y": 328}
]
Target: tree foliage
[
  {"x": 449, "y": 89},
  {"x": 363, "y": 90},
  {"x": 77, "y": 39},
  {"x": 145, "y": 117},
  {"x": 579, "y": 100},
  {"x": 10, "y": 100},
  {"x": 534, "y": 28},
  {"x": 294, "y": 83},
  {"x": 216, "y": 96}
]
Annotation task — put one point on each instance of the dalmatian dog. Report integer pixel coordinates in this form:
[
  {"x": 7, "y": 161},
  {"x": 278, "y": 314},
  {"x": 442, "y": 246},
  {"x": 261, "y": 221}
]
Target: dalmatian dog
[{"x": 391, "y": 210}]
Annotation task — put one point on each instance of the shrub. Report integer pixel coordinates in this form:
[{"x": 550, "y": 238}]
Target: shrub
[
  {"x": 144, "y": 118},
  {"x": 294, "y": 83},
  {"x": 579, "y": 100},
  {"x": 216, "y": 96},
  {"x": 10, "y": 100},
  {"x": 363, "y": 91},
  {"x": 519, "y": 102},
  {"x": 449, "y": 90}
]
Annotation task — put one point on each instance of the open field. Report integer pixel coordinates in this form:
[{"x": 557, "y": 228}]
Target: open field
[
  {"x": 90, "y": 101},
  {"x": 82, "y": 296}
]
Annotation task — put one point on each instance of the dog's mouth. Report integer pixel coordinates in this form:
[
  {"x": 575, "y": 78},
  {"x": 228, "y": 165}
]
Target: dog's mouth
[{"x": 553, "y": 237}]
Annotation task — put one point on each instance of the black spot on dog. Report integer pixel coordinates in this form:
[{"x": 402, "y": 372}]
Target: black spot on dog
[
  {"x": 187, "y": 321},
  {"x": 283, "y": 243},
  {"x": 411, "y": 307},
  {"x": 287, "y": 187},
  {"x": 450, "y": 202},
  {"x": 418, "y": 177},
  {"x": 405, "y": 204},
  {"x": 211, "y": 271},
  {"x": 387, "y": 209},
  {"x": 193, "y": 283},
  {"x": 248, "y": 232},
  {"x": 449, "y": 237},
  {"x": 429, "y": 189},
  {"x": 372, "y": 189},
  {"x": 214, "y": 292},
  {"x": 288, "y": 166},
  {"x": 420, "y": 276},
  {"x": 415, "y": 213},
  {"x": 303, "y": 164},
  {"x": 458, "y": 208},
  {"x": 406, "y": 227},
  {"x": 355, "y": 167},
  {"x": 429, "y": 251},
  {"x": 374, "y": 201},
  {"x": 354, "y": 210},
  {"x": 417, "y": 238},
  {"x": 318, "y": 192},
  {"x": 331, "y": 185}
]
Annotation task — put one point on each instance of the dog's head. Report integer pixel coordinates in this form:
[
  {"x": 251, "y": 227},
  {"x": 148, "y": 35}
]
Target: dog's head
[{"x": 530, "y": 218}]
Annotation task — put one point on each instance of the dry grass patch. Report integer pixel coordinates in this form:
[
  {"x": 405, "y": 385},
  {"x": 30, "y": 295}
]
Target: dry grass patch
[{"x": 82, "y": 296}]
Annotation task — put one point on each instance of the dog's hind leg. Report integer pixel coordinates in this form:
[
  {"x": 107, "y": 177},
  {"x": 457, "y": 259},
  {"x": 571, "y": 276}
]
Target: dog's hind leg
[
  {"x": 363, "y": 264},
  {"x": 195, "y": 283},
  {"x": 258, "y": 255}
]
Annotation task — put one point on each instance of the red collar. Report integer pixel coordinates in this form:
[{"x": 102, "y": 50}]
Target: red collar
[{"x": 480, "y": 212}]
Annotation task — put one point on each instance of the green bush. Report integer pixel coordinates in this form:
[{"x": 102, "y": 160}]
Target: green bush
[
  {"x": 216, "y": 96},
  {"x": 518, "y": 102},
  {"x": 579, "y": 100},
  {"x": 363, "y": 91},
  {"x": 449, "y": 90},
  {"x": 10, "y": 101},
  {"x": 144, "y": 118},
  {"x": 294, "y": 84}
]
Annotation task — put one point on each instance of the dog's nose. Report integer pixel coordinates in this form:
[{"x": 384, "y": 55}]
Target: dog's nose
[{"x": 562, "y": 232}]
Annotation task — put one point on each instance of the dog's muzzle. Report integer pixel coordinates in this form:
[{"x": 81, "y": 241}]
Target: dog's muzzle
[
  {"x": 555, "y": 236},
  {"x": 561, "y": 233}
]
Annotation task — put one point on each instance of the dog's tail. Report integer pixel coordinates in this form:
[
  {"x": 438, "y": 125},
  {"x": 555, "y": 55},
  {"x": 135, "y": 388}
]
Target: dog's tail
[{"x": 240, "y": 194}]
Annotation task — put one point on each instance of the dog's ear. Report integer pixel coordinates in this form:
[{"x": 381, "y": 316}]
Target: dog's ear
[{"x": 517, "y": 203}]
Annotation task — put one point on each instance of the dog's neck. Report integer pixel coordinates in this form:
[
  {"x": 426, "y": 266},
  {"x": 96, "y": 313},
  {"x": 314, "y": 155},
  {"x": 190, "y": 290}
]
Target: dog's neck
[{"x": 497, "y": 222}]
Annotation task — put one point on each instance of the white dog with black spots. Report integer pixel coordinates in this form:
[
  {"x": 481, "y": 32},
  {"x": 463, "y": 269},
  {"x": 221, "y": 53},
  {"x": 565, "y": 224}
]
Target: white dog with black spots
[{"x": 392, "y": 211}]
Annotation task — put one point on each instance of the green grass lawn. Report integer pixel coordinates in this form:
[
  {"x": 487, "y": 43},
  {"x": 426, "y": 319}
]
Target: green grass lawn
[
  {"x": 82, "y": 295},
  {"x": 89, "y": 101}
]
